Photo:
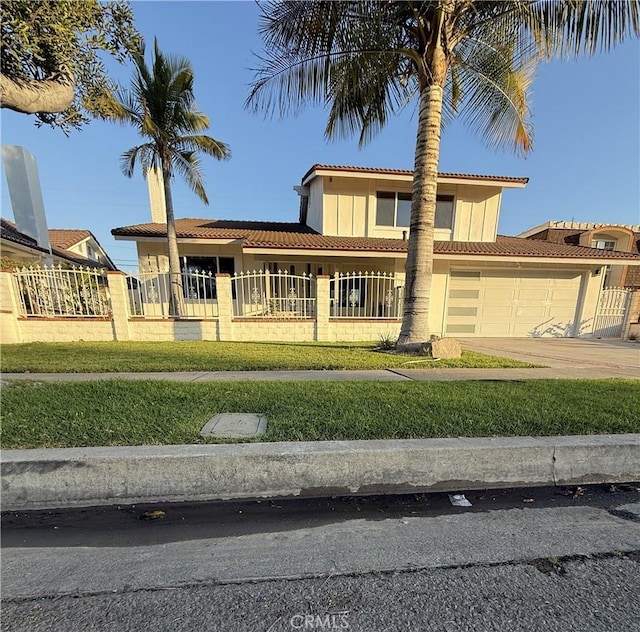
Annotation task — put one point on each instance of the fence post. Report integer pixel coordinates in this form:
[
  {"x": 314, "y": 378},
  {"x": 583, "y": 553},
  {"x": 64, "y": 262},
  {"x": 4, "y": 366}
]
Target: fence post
[
  {"x": 9, "y": 309},
  {"x": 119, "y": 295},
  {"x": 323, "y": 306},
  {"x": 225, "y": 306},
  {"x": 633, "y": 314}
]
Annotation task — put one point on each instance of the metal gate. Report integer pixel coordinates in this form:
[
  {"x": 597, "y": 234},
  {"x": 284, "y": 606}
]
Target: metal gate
[{"x": 611, "y": 313}]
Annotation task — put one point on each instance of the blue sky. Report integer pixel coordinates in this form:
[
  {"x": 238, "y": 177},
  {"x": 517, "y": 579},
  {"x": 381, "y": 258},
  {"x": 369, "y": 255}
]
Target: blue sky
[{"x": 585, "y": 164}]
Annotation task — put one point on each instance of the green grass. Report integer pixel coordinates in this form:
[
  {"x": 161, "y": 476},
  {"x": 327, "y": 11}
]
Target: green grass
[
  {"x": 95, "y": 357},
  {"x": 119, "y": 412}
]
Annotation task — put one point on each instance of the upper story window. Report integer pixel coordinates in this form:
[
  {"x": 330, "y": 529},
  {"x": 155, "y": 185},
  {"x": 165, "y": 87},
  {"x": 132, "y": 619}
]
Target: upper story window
[
  {"x": 603, "y": 244},
  {"x": 394, "y": 209}
]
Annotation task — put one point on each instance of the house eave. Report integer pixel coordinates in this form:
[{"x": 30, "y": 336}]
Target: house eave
[{"x": 488, "y": 181}]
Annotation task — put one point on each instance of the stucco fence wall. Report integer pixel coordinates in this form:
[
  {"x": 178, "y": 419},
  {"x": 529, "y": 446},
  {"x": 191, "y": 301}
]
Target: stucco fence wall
[{"x": 16, "y": 328}]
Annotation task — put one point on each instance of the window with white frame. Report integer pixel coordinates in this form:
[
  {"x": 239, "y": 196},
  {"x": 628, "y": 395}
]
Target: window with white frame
[
  {"x": 603, "y": 244},
  {"x": 394, "y": 209}
]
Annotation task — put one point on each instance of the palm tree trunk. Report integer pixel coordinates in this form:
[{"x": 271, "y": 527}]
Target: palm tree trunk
[
  {"x": 176, "y": 304},
  {"x": 419, "y": 268}
]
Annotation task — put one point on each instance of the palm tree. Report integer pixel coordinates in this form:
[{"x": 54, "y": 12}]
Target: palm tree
[
  {"x": 160, "y": 104},
  {"x": 474, "y": 59}
]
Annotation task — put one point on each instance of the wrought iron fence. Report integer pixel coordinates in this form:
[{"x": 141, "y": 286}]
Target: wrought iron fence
[
  {"x": 612, "y": 312},
  {"x": 150, "y": 295},
  {"x": 57, "y": 291},
  {"x": 260, "y": 293},
  {"x": 366, "y": 295}
]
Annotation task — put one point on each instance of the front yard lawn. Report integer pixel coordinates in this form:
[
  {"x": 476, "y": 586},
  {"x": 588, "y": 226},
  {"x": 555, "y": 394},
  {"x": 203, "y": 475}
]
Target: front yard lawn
[
  {"x": 98, "y": 357},
  {"x": 119, "y": 412}
]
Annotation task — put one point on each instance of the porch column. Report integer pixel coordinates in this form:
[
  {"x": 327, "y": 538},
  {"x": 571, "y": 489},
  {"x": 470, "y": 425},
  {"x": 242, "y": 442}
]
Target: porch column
[
  {"x": 119, "y": 296},
  {"x": 225, "y": 306},
  {"x": 590, "y": 288},
  {"x": 9, "y": 309},
  {"x": 322, "y": 307}
]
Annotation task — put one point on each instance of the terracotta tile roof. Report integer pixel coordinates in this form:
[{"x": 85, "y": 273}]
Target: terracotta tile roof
[
  {"x": 407, "y": 172},
  {"x": 193, "y": 228},
  {"x": 518, "y": 246},
  {"x": 295, "y": 236},
  {"x": 66, "y": 237}
]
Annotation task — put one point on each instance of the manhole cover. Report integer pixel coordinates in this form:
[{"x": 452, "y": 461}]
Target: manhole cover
[{"x": 235, "y": 426}]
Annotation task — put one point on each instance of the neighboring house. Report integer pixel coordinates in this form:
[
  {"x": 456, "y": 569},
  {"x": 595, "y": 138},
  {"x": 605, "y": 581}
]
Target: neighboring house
[
  {"x": 68, "y": 247},
  {"x": 619, "y": 237},
  {"x": 355, "y": 219}
]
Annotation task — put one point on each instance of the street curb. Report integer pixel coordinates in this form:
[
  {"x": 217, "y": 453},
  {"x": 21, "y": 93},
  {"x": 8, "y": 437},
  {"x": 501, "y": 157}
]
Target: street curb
[{"x": 81, "y": 477}]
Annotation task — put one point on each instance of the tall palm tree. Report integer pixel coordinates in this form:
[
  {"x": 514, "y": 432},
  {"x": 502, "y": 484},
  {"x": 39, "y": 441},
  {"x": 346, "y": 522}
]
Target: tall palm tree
[
  {"x": 160, "y": 104},
  {"x": 367, "y": 60}
]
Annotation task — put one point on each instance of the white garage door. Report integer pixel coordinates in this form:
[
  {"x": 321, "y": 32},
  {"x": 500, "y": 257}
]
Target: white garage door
[{"x": 519, "y": 303}]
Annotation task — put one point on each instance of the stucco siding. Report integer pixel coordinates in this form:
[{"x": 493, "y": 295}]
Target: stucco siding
[{"x": 314, "y": 208}]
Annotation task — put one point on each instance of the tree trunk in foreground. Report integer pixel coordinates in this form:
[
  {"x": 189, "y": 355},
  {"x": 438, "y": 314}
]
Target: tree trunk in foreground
[
  {"x": 31, "y": 96},
  {"x": 419, "y": 268},
  {"x": 176, "y": 303}
]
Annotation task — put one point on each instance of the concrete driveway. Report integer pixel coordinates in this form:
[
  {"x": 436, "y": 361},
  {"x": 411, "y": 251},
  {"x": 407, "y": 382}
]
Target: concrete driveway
[{"x": 617, "y": 356}]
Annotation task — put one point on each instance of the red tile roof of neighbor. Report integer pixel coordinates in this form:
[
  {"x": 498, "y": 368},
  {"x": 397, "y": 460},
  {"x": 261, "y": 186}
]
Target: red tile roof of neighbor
[
  {"x": 407, "y": 172},
  {"x": 279, "y": 235},
  {"x": 57, "y": 237},
  {"x": 66, "y": 237}
]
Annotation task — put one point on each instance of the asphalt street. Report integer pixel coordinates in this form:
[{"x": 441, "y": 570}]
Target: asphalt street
[{"x": 528, "y": 559}]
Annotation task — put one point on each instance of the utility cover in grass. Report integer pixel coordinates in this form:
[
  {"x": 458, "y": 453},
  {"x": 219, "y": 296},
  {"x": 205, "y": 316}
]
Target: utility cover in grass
[{"x": 235, "y": 426}]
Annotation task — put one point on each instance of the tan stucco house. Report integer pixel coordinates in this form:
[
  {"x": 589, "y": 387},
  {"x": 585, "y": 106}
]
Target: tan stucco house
[{"x": 357, "y": 219}]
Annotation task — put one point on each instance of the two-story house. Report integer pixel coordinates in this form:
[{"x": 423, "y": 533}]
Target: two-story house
[{"x": 357, "y": 219}]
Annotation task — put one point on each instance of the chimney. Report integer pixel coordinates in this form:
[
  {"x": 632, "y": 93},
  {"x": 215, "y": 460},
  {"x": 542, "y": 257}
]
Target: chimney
[{"x": 156, "y": 196}]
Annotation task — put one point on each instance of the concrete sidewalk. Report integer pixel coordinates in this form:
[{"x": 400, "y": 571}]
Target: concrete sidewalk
[{"x": 386, "y": 375}]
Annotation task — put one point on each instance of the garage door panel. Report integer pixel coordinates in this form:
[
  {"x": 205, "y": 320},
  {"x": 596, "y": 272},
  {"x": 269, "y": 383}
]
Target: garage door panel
[
  {"x": 568, "y": 297},
  {"x": 520, "y": 303},
  {"x": 462, "y": 311},
  {"x": 498, "y": 295},
  {"x": 496, "y": 312},
  {"x": 530, "y": 313},
  {"x": 533, "y": 295},
  {"x": 466, "y": 294}
]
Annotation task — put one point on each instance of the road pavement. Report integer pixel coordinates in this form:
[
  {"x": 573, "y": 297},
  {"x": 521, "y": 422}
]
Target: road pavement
[{"x": 528, "y": 559}]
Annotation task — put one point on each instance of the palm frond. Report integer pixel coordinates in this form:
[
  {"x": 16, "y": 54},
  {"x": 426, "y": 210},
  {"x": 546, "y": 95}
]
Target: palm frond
[
  {"x": 145, "y": 154},
  {"x": 205, "y": 144},
  {"x": 187, "y": 164},
  {"x": 570, "y": 28}
]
